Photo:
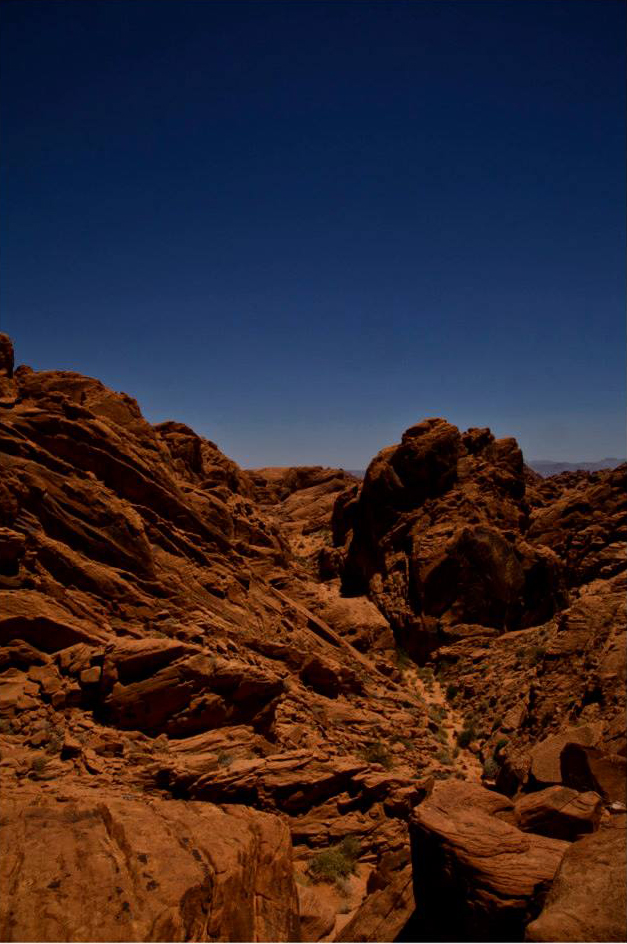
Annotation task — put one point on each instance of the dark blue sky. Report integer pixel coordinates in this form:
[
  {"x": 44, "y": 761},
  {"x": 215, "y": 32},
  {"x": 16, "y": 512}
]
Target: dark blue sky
[{"x": 301, "y": 227}]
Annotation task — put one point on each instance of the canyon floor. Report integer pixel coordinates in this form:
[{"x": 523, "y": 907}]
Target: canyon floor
[{"x": 290, "y": 705}]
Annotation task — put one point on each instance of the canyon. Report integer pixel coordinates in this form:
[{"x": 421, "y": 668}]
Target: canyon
[{"x": 288, "y": 704}]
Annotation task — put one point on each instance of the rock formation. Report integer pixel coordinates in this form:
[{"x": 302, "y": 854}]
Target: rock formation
[{"x": 227, "y": 697}]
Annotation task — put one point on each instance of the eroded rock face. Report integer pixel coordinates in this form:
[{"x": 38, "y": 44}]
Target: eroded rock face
[
  {"x": 95, "y": 869},
  {"x": 587, "y": 899},
  {"x": 438, "y": 536}
]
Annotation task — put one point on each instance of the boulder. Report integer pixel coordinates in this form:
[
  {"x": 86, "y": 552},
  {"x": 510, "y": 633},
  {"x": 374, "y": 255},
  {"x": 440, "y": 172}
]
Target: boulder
[
  {"x": 559, "y": 812},
  {"x": 93, "y": 870},
  {"x": 327, "y": 677},
  {"x": 587, "y": 899},
  {"x": 475, "y": 876},
  {"x": 588, "y": 768},
  {"x": 545, "y": 756}
]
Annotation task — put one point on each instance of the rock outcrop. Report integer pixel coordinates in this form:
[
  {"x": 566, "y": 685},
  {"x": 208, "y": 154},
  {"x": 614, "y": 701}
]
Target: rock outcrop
[
  {"x": 95, "y": 868},
  {"x": 587, "y": 899},
  {"x": 437, "y": 537},
  {"x": 326, "y": 660}
]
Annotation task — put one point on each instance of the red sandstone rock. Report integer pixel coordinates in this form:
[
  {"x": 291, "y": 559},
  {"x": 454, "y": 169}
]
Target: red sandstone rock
[
  {"x": 559, "y": 812},
  {"x": 587, "y": 899},
  {"x": 475, "y": 874},
  {"x": 95, "y": 869},
  {"x": 163, "y": 633}
]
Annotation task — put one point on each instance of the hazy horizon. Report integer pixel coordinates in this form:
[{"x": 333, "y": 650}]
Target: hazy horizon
[{"x": 301, "y": 228}]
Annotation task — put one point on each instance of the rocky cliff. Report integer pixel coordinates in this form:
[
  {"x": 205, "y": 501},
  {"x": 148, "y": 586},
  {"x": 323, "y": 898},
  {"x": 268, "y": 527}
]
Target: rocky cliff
[{"x": 283, "y": 704}]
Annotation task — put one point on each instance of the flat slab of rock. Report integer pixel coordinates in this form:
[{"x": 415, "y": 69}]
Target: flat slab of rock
[
  {"x": 559, "y": 812},
  {"x": 587, "y": 900},
  {"x": 42, "y": 622},
  {"x": 475, "y": 876},
  {"x": 153, "y": 870}
]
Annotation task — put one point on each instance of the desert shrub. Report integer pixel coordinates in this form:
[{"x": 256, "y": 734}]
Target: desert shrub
[
  {"x": 38, "y": 764},
  {"x": 405, "y": 741},
  {"x": 402, "y": 658},
  {"x": 490, "y": 769},
  {"x": 444, "y": 757},
  {"x": 335, "y": 863},
  {"x": 376, "y": 753},
  {"x": 451, "y": 691},
  {"x": 500, "y": 744},
  {"x": 536, "y": 654},
  {"x": 466, "y": 736}
]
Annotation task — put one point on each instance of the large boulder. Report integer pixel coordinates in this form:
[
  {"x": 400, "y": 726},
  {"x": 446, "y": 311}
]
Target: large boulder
[
  {"x": 559, "y": 812},
  {"x": 545, "y": 755},
  {"x": 108, "y": 869},
  {"x": 587, "y": 899},
  {"x": 588, "y": 768},
  {"x": 476, "y": 876}
]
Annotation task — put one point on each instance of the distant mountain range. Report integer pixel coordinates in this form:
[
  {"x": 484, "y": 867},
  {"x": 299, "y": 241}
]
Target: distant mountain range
[{"x": 546, "y": 467}]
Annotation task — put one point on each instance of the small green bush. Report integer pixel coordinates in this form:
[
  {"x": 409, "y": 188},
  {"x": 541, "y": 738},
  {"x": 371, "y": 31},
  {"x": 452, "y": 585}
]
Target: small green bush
[
  {"x": 466, "y": 737},
  {"x": 536, "y": 654},
  {"x": 405, "y": 741},
  {"x": 38, "y": 764},
  {"x": 445, "y": 758},
  {"x": 336, "y": 863},
  {"x": 376, "y": 753},
  {"x": 403, "y": 660},
  {"x": 490, "y": 769}
]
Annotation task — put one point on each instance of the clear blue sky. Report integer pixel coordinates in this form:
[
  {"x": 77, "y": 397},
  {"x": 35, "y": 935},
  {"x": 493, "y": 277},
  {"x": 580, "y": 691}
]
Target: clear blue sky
[{"x": 301, "y": 227}]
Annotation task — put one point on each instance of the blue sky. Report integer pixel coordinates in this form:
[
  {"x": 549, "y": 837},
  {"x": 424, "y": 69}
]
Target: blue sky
[{"x": 301, "y": 227}]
